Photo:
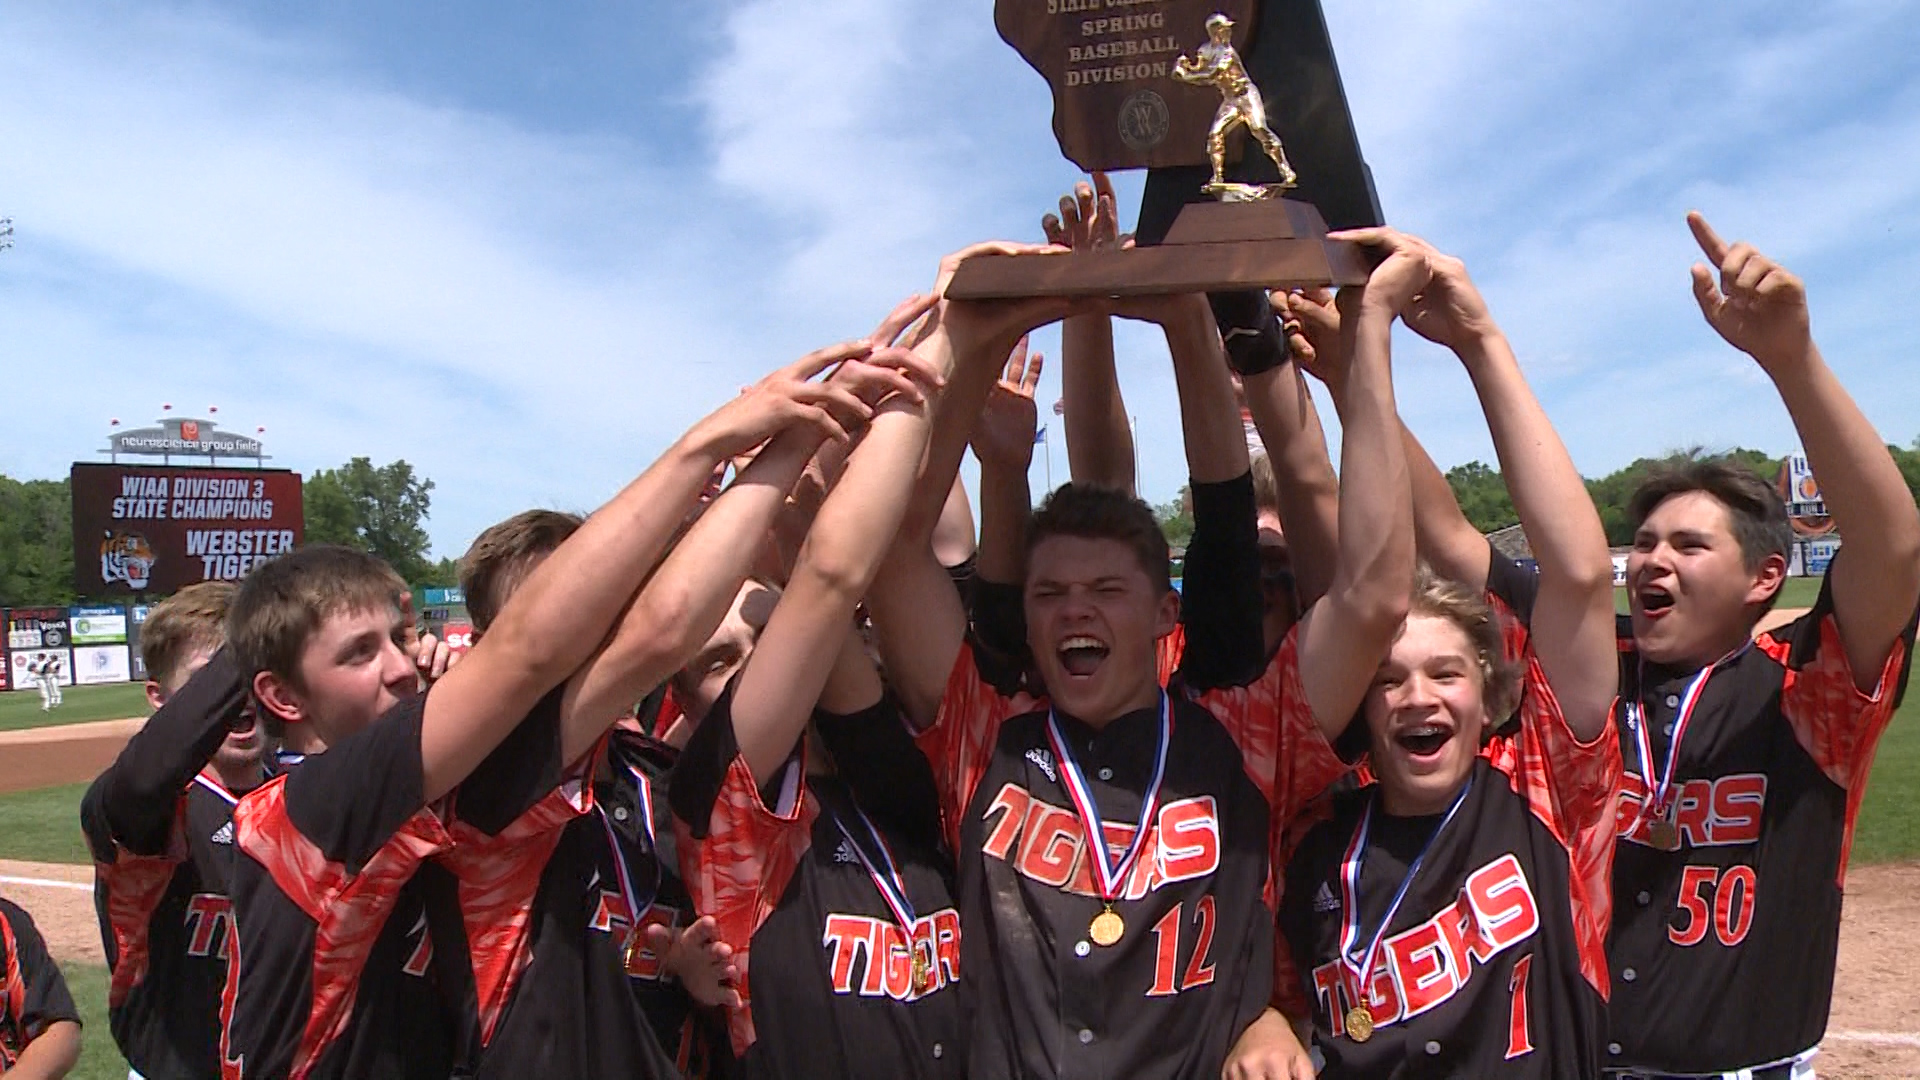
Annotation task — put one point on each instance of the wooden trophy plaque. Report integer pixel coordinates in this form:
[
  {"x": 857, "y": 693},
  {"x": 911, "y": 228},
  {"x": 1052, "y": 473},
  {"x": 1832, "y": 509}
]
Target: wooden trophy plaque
[{"x": 1142, "y": 85}]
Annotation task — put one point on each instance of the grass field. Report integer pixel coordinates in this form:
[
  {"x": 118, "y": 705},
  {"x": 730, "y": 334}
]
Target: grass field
[
  {"x": 79, "y": 704},
  {"x": 1797, "y": 592},
  {"x": 99, "y": 1058},
  {"x": 43, "y": 825}
]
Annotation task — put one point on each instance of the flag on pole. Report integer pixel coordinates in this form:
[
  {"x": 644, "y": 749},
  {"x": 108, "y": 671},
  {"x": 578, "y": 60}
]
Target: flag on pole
[{"x": 1039, "y": 434}]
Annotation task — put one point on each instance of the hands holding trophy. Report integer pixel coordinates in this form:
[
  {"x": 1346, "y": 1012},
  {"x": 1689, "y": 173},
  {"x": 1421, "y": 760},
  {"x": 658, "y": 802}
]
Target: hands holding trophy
[{"x": 1136, "y": 90}]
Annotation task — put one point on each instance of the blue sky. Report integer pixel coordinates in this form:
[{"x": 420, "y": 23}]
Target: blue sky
[{"x": 523, "y": 246}]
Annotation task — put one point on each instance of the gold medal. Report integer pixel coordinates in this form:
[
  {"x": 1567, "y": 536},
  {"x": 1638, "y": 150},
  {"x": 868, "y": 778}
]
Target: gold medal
[
  {"x": 631, "y": 954},
  {"x": 1359, "y": 1023},
  {"x": 922, "y": 972},
  {"x": 1107, "y": 928},
  {"x": 1663, "y": 834}
]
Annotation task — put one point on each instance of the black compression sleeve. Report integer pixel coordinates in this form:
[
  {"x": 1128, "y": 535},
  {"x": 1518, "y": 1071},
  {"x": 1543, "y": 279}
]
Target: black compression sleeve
[
  {"x": 135, "y": 798},
  {"x": 1220, "y": 603}
]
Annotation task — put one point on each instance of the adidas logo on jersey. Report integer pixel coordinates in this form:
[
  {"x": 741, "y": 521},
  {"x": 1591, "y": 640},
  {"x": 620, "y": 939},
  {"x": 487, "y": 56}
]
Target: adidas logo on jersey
[
  {"x": 1324, "y": 900},
  {"x": 224, "y": 834},
  {"x": 1044, "y": 760},
  {"x": 845, "y": 853}
]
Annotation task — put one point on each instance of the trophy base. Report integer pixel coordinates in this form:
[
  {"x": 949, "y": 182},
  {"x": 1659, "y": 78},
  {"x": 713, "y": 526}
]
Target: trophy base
[{"x": 1212, "y": 247}]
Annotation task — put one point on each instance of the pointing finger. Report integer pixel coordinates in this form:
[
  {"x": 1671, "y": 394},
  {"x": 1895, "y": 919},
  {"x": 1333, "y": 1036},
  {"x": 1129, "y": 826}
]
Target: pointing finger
[{"x": 1710, "y": 243}]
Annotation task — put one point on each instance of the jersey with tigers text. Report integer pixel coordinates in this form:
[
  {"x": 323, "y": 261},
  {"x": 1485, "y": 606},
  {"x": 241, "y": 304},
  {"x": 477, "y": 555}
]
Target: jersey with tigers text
[
  {"x": 161, "y": 833},
  {"x": 542, "y": 913},
  {"x": 835, "y": 980},
  {"x": 1192, "y": 966},
  {"x": 1727, "y": 911}
]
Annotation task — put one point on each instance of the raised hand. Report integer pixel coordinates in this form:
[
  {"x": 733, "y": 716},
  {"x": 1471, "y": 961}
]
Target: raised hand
[
  {"x": 1400, "y": 276},
  {"x": 972, "y": 323},
  {"x": 789, "y": 397},
  {"x": 1087, "y": 219},
  {"x": 1312, "y": 325},
  {"x": 888, "y": 371},
  {"x": 1450, "y": 310},
  {"x": 1004, "y": 435},
  {"x": 700, "y": 960},
  {"x": 1756, "y": 305}
]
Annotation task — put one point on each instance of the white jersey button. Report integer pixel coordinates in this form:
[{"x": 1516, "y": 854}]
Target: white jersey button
[
  {"x": 1673, "y": 700},
  {"x": 1643, "y": 898},
  {"x": 1613, "y": 1048},
  {"x": 1105, "y": 773},
  {"x": 1432, "y": 1047},
  {"x": 1629, "y": 975},
  {"x": 939, "y": 1051},
  {"x": 1085, "y": 1036},
  {"x": 619, "y": 813},
  {"x": 1081, "y": 948}
]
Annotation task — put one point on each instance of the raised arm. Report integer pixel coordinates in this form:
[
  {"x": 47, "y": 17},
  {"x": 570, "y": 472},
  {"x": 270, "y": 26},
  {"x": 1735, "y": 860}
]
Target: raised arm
[
  {"x": 1572, "y": 629},
  {"x": 686, "y": 599},
  {"x": 1446, "y": 539},
  {"x": 1100, "y": 446},
  {"x": 1003, "y": 440},
  {"x": 560, "y": 616},
  {"x": 1289, "y": 426},
  {"x": 1761, "y": 309},
  {"x": 789, "y": 667},
  {"x": 918, "y": 620},
  {"x": 1343, "y": 637}
]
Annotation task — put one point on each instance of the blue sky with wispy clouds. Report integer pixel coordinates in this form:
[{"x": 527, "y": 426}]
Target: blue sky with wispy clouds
[{"x": 523, "y": 246}]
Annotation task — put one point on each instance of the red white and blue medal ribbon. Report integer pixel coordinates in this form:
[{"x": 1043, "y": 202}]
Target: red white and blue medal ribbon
[
  {"x": 885, "y": 873},
  {"x": 1358, "y": 962},
  {"x": 1659, "y": 801},
  {"x": 1110, "y": 875},
  {"x": 636, "y": 909}
]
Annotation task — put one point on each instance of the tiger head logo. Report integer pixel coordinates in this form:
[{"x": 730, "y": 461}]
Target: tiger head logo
[{"x": 126, "y": 556}]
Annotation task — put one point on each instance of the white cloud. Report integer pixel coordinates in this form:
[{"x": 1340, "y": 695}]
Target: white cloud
[{"x": 212, "y": 213}]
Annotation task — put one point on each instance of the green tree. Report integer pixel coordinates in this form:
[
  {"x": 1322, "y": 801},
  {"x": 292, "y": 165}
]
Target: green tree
[
  {"x": 1482, "y": 494},
  {"x": 1611, "y": 493},
  {"x": 36, "y": 542},
  {"x": 378, "y": 510},
  {"x": 1176, "y": 519}
]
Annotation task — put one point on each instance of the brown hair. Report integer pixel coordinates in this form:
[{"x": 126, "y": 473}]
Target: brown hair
[
  {"x": 281, "y": 604},
  {"x": 500, "y": 557},
  {"x": 190, "y": 620},
  {"x": 1101, "y": 513},
  {"x": 1266, "y": 487},
  {"x": 1442, "y": 598},
  {"x": 1755, "y": 511}
]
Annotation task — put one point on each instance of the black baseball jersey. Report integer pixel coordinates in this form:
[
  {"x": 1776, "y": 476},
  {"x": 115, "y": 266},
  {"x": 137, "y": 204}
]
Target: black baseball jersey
[
  {"x": 1192, "y": 968},
  {"x": 1493, "y": 963},
  {"x": 834, "y": 981},
  {"x": 1745, "y": 909},
  {"x": 546, "y": 989},
  {"x": 33, "y": 996},
  {"x": 333, "y": 962},
  {"x": 161, "y": 833}
]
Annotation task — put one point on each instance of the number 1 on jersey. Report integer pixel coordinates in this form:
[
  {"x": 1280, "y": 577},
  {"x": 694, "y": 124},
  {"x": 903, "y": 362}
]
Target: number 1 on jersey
[{"x": 1519, "y": 1039}]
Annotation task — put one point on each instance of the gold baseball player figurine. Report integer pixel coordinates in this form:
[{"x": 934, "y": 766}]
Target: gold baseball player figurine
[{"x": 1216, "y": 64}]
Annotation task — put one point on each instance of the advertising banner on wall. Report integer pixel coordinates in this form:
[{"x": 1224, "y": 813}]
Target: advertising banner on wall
[
  {"x": 151, "y": 530},
  {"x": 93, "y": 664},
  {"x": 136, "y": 620},
  {"x": 24, "y": 667},
  {"x": 98, "y": 625},
  {"x": 37, "y": 639}
]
